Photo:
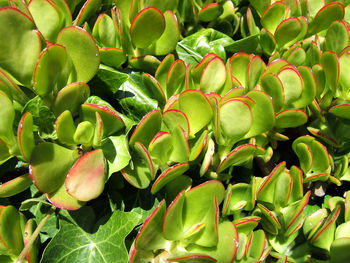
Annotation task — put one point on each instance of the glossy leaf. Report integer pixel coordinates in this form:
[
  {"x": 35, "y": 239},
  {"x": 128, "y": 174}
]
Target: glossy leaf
[
  {"x": 70, "y": 97},
  {"x": 85, "y": 60},
  {"x": 147, "y": 26}
]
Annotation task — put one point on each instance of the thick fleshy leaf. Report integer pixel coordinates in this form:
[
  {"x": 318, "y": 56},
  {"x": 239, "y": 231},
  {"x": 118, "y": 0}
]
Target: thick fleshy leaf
[
  {"x": 344, "y": 63},
  {"x": 226, "y": 248},
  {"x": 86, "y": 179},
  {"x": 7, "y": 116},
  {"x": 320, "y": 160},
  {"x": 163, "y": 69},
  {"x": 255, "y": 69},
  {"x": 65, "y": 128},
  {"x": 197, "y": 109},
  {"x": 213, "y": 76},
  {"x": 150, "y": 235},
  {"x": 180, "y": 150},
  {"x": 287, "y": 32},
  {"x": 48, "y": 69},
  {"x": 324, "y": 235},
  {"x": 246, "y": 224},
  {"x": 240, "y": 155},
  {"x": 210, "y": 12},
  {"x": 154, "y": 87},
  {"x": 262, "y": 113},
  {"x": 49, "y": 166},
  {"x": 235, "y": 119},
  {"x": 47, "y": 17},
  {"x": 167, "y": 42},
  {"x": 273, "y": 16},
  {"x": 84, "y": 134},
  {"x": 70, "y": 97},
  {"x": 175, "y": 77},
  {"x": 309, "y": 87},
  {"x": 11, "y": 90},
  {"x": 325, "y": 16},
  {"x": 112, "y": 122},
  {"x": 237, "y": 66},
  {"x": 238, "y": 197},
  {"x": 26, "y": 136},
  {"x": 148, "y": 127},
  {"x": 160, "y": 147},
  {"x": 140, "y": 172},
  {"x": 342, "y": 111},
  {"x": 200, "y": 207},
  {"x": 197, "y": 145},
  {"x": 339, "y": 250},
  {"x": 314, "y": 221},
  {"x": 146, "y": 63},
  {"x": 61, "y": 199},
  {"x": 297, "y": 56},
  {"x": 173, "y": 225},
  {"x": 207, "y": 157},
  {"x": 267, "y": 41},
  {"x": 269, "y": 220},
  {"x": 112, "y": 56},
  {"x": 291, "y": 118},
  {"x": 87, "y": 10},
  {"x": 273, "y": 86},
  {"x": 147, "y": 26},
  {"x": 293, "y": 212},
  {"x": 105, "y": 31},
  {"x": 85, "y": 60},
  {"x": 21, "y": 47},
  {"x": 267, "y": 187},
  {"x": 193, "y": 258},
  {"x": 337, "y": 37},
  {"x": 15, "y": 186},
  {"x": 330, "y": 63},
  {"x": 11, "y": 229},
  {"x": 292, "y": 84},
  {"x": 172, "y": 118},
  {"x": 169, "y": 175}
]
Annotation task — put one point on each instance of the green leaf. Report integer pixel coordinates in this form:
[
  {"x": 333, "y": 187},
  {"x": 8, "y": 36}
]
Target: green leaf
[
  {"x": 168, "y": 40},
  {"x": 115, "y": 149},
  {"x": 43, "y": 117},
  {"x": 273, "y": 16},
  {"x": 134, "y": 97},
  {"x": 193, "y": 48},
  {"x": 22, "y": 46},
  {"x": 337, "y": 37},
  {"x": 70, "y": 97},
  {"x": 147, "y": 26},
  {"x": 104, "y": 245},
  {"x": 85, "y": 60},
  {"x": 51, "y": 62},
  {"x": 325, "y": 16},
  {"x": 47, "y": 18}
]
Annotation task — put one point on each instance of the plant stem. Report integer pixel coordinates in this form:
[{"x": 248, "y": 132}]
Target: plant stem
[{"x": 34, "y": 236}]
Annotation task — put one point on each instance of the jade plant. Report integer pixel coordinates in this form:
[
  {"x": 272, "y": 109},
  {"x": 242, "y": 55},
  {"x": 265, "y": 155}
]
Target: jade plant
[{"x": 174, "y": 131}]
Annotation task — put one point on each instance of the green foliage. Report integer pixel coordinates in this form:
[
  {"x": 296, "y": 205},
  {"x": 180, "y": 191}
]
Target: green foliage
[{"x": 180, "y": 131}]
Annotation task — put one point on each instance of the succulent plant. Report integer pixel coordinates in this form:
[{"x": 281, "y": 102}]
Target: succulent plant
[{"x": 180, "y": 131}]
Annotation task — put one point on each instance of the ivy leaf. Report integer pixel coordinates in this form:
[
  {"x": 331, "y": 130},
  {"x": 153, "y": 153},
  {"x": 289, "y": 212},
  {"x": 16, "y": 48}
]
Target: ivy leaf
[
  {"x": 194, "y": 47},
  {"x": 104, "y": 245},
  {"x": 116, "y": 152},
  {"x": 43, "y": 117}
]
